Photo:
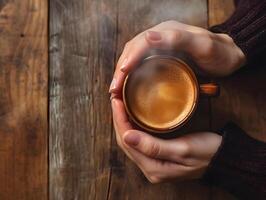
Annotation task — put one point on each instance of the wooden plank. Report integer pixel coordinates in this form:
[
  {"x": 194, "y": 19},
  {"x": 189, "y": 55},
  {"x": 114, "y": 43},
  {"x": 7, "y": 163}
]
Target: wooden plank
[
  {"x": 219, "y": 11},
  {"x": 82, "y": 56},
  {"x": 241, "y": 99},
  {"x": 86, "y": 38},
  {"x": 23, "y": 99},
  {"x": 127, "y": 182}
]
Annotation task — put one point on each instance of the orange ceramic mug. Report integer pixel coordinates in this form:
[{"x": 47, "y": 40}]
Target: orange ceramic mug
[{"x": 162, "y": 93}]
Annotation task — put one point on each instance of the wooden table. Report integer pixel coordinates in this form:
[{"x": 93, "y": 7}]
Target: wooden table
[{"x": 56, "y": 134}]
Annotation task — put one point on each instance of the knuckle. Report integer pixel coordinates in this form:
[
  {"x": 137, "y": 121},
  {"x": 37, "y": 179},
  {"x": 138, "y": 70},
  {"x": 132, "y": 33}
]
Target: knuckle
[
  {"x": 185, "y": 149},
  {"x": 229, "y": 40},
  {"x": 209, "y": 44},
  {"x": 154, "y": 150},
  {"x": 209, "y": 47},
  {"x": 175, "y": 36}
]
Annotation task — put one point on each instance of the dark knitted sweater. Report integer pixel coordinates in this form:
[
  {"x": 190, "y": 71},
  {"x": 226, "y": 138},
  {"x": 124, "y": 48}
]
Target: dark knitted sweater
[
  {"x": 247, "y": 27},
  {"x": 239, "y": 165}
]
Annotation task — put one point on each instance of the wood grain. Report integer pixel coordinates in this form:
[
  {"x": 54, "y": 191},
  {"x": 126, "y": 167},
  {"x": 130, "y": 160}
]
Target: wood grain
[
  {"x": 82, "y": 53},
  {"x": 23, "y": 99},
  {"x": 86, "y": 39},
  {"x": 219, "y": 11}
]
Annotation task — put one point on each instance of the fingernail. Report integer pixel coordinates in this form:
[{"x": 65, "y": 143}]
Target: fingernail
[
  {"x": 124, "y": 65},
  {"x": 155, "y": 36},
  {"x": 132, "y": 139},
  {"x": 112, "y": 86}
]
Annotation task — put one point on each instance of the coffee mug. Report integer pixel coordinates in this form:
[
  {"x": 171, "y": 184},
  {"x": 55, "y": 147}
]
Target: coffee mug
[{"x": 162, "y": 93}]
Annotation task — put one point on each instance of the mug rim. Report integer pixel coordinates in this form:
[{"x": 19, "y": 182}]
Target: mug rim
[{"x": 181, "y": 122}]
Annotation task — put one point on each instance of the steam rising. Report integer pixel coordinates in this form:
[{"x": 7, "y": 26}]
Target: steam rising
[{"x": 192, "y": 12}]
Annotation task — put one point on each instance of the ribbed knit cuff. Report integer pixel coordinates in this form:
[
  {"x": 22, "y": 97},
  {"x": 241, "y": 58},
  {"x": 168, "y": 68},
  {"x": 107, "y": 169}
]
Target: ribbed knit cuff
[
  {"x": 239, "y": 165},
  {"x": 247, "y": 27}
]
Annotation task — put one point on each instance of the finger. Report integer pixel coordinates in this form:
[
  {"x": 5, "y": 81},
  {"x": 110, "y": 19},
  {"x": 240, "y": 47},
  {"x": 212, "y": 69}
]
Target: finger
[
  {"x": 163, "y": 37},
  {"x": 119, "y": 76},
  {"x": 129, "y": 59},
  {"x": 122, "y": 126},
  {"x": 139, "y": 47},
  {"x": 178, "y": 39},
  {"x": 151, "y": 39},
  {"x": 193, "y": 42},
  {"x": 123, "y": 61},
  {"x": 119, "y": 116},
  {"x": 157, "y": 170},
  {"x": 121, "y": 123},
  {"x": 171, "y": 150}
]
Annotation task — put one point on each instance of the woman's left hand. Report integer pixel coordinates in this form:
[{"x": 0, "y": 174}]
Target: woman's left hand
[
  {"x": 186, "y": 157},
  {"x": 214, "y": 54}
]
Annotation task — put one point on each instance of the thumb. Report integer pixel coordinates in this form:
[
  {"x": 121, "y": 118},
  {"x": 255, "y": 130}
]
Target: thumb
[
  {"x": 180, "y": 39},
  {"x": 151, "y": 146}
]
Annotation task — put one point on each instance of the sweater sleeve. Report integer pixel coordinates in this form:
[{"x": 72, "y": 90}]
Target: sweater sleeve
[
  {"x": 239, "y": 166},
  {"x": 247, "y": 27}
]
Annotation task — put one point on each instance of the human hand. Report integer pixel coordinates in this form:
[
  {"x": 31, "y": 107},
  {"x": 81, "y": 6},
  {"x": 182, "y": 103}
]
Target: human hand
[
  {"x": 186, "y": 157},
  {"x": 215, "y": 54}
]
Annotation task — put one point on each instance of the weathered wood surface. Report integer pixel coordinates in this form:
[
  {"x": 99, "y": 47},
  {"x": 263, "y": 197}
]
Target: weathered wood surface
[
  {"x": 86, "y": 39},
  {"x": 23, "y": 99},
  {"x": 82, "y": 55},
  {"x": 219, "y": 11}
]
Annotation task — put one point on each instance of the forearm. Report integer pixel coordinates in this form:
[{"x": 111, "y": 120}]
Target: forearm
[
  {"x": 247, "y": 27},
  {"x": 239, "y": 166}
]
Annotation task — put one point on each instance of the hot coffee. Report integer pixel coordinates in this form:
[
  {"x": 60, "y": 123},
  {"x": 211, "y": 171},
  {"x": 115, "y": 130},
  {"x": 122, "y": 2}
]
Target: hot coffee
[{"x": 161, "y": 93}]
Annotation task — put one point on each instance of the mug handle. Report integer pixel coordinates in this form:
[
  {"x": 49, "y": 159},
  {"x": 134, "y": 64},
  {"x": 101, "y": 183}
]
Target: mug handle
[{"x": 210, "y": 89}]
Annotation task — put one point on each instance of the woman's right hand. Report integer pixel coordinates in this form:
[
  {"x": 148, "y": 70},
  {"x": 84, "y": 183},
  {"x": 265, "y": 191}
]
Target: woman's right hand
[
  {"x": 182, "y": 158},
  {"x": 215, "y": 54}
]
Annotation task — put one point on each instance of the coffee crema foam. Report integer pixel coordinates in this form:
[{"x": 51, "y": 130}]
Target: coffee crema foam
[{"x": 161, "y": 93}]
